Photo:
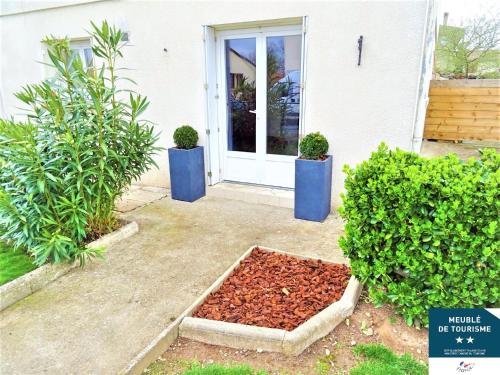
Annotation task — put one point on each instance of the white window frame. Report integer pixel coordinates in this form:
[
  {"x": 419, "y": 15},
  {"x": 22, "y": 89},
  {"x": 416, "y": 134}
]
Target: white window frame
[
  {"x": 80, "y": 45},
  {"x": 77, "y": 44}
]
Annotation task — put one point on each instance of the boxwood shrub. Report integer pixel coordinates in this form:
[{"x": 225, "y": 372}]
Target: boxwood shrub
[
  {"x": 313, "y": 146},
  {"x": 424, "y": 233},
  {"x": 185, "y": 137}
]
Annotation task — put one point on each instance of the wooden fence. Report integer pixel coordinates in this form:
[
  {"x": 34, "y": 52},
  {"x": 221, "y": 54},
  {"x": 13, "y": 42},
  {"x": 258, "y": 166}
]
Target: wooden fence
[{"x": 463, "y": 110}]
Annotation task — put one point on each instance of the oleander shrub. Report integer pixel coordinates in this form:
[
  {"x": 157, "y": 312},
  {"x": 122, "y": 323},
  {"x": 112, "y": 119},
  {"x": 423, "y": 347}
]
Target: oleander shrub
[
  {"x": 424, "y": 233},
  {"x": 81, "y": 146},
  {"x": 185, "y": 137},
  {"x": 313, "y": 146}
]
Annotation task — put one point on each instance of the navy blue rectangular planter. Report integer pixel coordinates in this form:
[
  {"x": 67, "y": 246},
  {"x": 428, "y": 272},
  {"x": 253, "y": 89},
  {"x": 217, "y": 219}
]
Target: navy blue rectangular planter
[
  {"x": 187, "y": 173},
  {"x": 313, "y": 188}
]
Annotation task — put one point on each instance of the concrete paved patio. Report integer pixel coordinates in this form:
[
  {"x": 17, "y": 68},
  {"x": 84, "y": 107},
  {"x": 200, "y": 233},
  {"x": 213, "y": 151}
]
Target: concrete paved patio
[
  {"x": 95, "y": 320},
  {"x": 140, "y": 196},
  {"x": 464, "y": 150}
]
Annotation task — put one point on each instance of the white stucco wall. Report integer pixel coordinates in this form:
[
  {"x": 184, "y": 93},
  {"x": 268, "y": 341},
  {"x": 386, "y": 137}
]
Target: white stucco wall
[{"x": 355, "y": 107}]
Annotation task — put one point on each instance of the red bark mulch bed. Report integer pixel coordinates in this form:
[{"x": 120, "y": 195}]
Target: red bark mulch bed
[{"x": 276, "y": 291}]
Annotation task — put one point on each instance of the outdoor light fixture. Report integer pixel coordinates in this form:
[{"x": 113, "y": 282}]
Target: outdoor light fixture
[{"x": 360, "y": 48}]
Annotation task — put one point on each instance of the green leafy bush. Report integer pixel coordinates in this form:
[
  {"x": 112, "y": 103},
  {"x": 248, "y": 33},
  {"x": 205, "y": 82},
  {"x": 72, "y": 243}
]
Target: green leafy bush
[
  {"x": 423, "y": 233},
  {"x": 79, "y": 149},
  {"x": 313, "y": 146},
  {"x": 185, "y": 137}
]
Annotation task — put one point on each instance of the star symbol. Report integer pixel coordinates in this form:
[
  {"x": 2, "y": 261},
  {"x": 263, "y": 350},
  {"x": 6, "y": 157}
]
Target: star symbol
[
  {"x": 459, "y": 340},
  {"x": 470, "y": 340}
]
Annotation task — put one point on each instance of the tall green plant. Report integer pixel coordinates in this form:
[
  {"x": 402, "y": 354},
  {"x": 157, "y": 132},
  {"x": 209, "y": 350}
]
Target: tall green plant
[{"x": 80, "y": 148}]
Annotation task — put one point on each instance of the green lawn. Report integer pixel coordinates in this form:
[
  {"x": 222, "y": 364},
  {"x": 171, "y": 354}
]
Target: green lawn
[
  {"x": 13, "y": 264},
  {"x": 374, "y": 359},
  {"x": 379, "y": 360},
  {"x": 222, "y": 370},
  {"x": 369, "y": 359}
]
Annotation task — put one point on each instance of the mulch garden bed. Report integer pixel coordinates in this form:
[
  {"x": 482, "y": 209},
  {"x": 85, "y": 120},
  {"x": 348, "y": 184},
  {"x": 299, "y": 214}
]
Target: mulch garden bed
[{"x": 276, "y": 291}]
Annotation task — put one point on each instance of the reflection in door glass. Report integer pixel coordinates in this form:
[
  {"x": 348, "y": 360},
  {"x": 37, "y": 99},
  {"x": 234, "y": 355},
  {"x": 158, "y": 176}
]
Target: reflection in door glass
[
  {"x": 283, "y": 94},
  {"x": 240, "y": 78}
]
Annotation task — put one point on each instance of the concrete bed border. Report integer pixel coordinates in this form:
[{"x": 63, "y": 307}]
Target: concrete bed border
[
  {"x": 29, "y": 283},
  {"x": 243, "y": 336}
]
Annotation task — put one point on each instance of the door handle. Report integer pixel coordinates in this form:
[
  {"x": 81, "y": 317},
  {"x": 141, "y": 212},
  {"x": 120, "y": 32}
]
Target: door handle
[{"x": 254, "y": 111}]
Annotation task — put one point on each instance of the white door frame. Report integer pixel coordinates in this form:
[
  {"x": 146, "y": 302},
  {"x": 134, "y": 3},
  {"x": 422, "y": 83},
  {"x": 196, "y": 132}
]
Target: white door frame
[
  {"x": 246, "y": 159},
  {"x": 217, "y": 111}
]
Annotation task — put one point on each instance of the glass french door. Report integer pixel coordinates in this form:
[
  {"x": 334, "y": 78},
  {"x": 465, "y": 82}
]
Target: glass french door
[{"x": 260, "y": 88}]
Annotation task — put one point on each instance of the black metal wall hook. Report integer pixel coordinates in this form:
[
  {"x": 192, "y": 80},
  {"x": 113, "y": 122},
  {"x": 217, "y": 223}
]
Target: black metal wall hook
[{"x": 360, "y": 48}]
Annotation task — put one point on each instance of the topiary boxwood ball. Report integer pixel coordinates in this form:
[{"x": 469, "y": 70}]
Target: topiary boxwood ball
[
  {"x": 185, "y": 137},
  {"x": 314, "y": 146}
]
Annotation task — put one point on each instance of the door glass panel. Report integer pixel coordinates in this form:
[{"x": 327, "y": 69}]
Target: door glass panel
[
  {"x": 241, "y": 94},
  {"x": 283, "y": 94}
]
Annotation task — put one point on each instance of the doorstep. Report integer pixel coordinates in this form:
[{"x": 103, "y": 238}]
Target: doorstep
[{"x": 273, "y": 196}]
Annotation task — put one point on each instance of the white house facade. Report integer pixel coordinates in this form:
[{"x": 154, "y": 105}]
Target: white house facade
[{"x": 251, "y": 77}]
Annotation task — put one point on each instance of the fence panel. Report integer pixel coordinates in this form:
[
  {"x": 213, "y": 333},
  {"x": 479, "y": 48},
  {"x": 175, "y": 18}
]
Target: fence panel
[{"x": 463, "y": 110}]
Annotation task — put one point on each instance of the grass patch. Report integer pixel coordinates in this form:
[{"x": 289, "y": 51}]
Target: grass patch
[
  {"x": 324, "y": 364},
  {"x": 197, "y": 369},
  {"x": 172, "y": 367},
  {"x": 183, "y": 367},
  {"x": 13, "y": 264},
  {"x": 379, "y": 360}
]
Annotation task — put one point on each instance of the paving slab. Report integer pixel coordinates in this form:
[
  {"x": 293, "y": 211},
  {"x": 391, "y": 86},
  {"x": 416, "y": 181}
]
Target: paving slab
[
  {"x": 464, "y": 150},
  {"x": 95, "y": 320},
  {"x": 138, "y": 196}
]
